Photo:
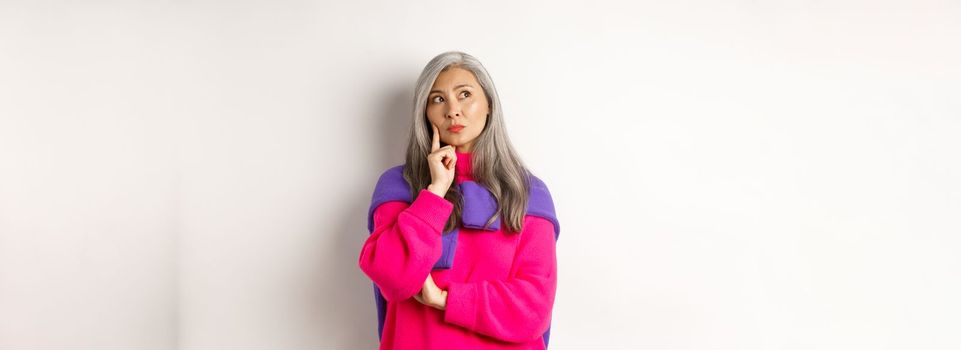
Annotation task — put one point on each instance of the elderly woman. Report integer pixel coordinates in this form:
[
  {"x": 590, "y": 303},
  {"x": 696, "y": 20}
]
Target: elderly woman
[{"x": 462, "y": 236}]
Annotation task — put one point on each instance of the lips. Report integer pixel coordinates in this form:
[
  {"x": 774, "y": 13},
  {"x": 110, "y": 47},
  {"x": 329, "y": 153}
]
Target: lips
[{"x": 455, "y": 128}]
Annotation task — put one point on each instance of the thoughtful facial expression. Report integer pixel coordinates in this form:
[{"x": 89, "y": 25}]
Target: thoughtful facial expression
[{"x": 458, "y": 106}]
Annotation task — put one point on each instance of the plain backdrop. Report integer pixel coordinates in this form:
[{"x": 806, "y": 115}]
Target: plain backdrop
[{"x": 728, "y": 174}]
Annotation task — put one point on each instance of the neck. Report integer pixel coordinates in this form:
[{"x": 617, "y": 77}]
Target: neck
[
  {"x": 463, "y": 168},
  {"x": 465, "y": 148}
]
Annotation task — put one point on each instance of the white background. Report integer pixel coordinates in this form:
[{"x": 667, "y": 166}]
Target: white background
[{"x": 728, "y": 175}]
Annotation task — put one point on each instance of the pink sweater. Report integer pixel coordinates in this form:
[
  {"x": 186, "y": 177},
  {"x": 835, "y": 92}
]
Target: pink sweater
[{"x": 500, "y": 288}]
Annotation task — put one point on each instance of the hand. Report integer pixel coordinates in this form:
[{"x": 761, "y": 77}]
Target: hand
[
  {"x": 431, "y": 295},
  {"x": 441, "y": 161}
]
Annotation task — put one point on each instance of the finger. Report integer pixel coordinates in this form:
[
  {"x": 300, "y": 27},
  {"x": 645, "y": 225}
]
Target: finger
[
  {"x": 453, "y": 156},
  {"x": 436, "y": 138},
  {"x": 430, "y": 285},
  {"x": 451, "y": 152}
]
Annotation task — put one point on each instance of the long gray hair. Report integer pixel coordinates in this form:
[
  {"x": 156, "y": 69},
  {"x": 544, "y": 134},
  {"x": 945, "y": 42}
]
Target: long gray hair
[{"x": 494, "y": 162}]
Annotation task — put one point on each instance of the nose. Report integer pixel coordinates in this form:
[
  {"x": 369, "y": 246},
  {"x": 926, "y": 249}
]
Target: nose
[{"x": 453, "y": 110}]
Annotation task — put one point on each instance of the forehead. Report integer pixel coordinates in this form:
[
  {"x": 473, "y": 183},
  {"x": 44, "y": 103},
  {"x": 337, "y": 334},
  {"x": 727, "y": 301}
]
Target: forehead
[{"x": 455, "y": 76}]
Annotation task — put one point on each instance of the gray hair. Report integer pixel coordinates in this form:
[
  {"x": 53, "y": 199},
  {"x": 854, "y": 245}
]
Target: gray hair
[{"x": 494, "y": 162}]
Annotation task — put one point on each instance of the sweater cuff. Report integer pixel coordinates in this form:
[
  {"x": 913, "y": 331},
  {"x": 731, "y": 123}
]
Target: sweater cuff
[
  {"x": 461, "y": 303},
  {"x": 433, "y": 209}
]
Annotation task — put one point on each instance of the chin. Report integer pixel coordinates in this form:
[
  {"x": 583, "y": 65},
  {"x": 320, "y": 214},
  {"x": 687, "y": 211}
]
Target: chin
[{"x": 456, "y": 141}]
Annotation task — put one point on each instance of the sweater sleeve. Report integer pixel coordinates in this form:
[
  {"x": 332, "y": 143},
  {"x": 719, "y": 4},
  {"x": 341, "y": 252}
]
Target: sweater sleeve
[
  {"x": 405, "y": 244},
  {"x": 517, "y": 309}
]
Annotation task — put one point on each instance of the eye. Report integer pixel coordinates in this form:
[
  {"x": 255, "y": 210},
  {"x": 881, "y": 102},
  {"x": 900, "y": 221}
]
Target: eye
[
  {"x": 436, "y": 99},
  {"x": 466, "y": 94}
]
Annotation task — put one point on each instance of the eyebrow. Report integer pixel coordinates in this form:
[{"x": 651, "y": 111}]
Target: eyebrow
[{"x": 455, "y": 88}]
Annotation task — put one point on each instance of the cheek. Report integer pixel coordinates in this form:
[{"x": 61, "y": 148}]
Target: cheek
[
  {"x": 478, "y": 110},
  {"x": 434, "y": 114}
]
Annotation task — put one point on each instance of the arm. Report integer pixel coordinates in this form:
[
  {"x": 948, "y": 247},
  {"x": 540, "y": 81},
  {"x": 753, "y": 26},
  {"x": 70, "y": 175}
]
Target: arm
[
  {"x": 405, "y": 244},
  {"x": 517, "y": 309}
]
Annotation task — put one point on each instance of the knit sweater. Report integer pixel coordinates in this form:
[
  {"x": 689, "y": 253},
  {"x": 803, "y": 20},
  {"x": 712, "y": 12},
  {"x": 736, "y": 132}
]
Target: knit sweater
[{"x": 500, "y": 287}]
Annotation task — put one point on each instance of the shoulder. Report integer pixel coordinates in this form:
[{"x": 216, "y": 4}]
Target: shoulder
[
  {"x": 538, "y": 185},
  {"x": 391, "y": 186},
  {"x": 540, "y": 204},
  {"x": 391, "y": 180},
  {"x": 391, "y": 173},
  {"x": 540, "y": 198}
]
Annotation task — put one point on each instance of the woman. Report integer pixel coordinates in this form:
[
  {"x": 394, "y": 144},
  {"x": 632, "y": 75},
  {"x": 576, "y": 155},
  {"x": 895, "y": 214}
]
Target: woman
[{"x": 462, "y": 243}]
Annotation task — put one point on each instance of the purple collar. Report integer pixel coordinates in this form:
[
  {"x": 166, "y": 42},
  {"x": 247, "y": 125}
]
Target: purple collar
[{"x": 479, "y": 206}]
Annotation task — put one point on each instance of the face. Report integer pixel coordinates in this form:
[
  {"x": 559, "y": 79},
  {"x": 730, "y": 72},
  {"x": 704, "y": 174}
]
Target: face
[{"x": 458, "y": 106}]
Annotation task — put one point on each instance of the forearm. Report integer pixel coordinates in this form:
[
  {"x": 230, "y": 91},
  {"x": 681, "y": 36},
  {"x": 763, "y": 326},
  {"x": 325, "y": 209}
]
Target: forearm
[
  {"x": 405, "y": 244},
  {"x": 517, "y": 308}
]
